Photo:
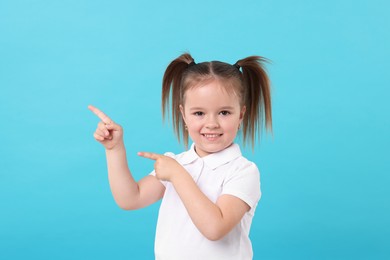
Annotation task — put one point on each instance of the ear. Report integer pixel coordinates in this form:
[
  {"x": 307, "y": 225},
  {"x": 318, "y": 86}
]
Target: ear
[
  {"x": 242, "y": 113},
  {"x": 182, "y": 113}
]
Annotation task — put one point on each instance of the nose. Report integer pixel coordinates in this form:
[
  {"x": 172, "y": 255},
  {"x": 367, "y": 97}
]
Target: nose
[{"x": 212, "y": 123}]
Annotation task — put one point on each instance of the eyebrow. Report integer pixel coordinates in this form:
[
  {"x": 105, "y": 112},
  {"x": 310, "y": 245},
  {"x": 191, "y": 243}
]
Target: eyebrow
[{"x": 221, "y": 108}]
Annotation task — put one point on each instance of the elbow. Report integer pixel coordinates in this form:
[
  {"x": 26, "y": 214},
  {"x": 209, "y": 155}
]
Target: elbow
[
  {"x": 125, "y": 205},
  {"x": 214, "y": 234},
  {"x": 214, "y": 237}
]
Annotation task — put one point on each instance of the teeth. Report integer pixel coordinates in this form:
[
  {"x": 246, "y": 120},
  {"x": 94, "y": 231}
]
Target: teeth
[{"x": 211, "y": 135}]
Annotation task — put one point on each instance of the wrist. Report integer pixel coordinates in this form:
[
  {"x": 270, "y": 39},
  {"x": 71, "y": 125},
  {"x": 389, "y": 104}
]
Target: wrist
[
  {"x": 116, "y": 148},
  {"x": 179, "y": 177}
]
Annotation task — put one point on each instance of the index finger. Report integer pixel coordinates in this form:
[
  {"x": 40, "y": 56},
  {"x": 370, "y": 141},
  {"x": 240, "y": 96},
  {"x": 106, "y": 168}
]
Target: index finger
[
  {"x": 153, "y": 156},
  {"x": 100, "y": 114}
]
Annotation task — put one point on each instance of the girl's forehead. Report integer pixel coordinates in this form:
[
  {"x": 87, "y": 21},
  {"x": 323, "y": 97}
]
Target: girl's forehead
[
  {"x": 214, "y": 92},
  {"x": 213, "y": 85}
]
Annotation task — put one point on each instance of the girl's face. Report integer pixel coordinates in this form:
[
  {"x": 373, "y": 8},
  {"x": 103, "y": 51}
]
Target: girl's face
[{"x": 212, "y": 116}]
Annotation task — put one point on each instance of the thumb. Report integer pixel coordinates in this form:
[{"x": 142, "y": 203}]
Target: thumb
[{"x": 113, "y": 126}]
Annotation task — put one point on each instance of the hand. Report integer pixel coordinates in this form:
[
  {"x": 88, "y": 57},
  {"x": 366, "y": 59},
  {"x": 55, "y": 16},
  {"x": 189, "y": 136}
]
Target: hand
[
  {"x": 109, "y": 134},
  {"x": 166, "y": 167}
]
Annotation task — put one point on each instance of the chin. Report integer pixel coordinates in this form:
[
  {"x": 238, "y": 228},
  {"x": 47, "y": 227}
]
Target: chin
[{"x": 213, "y": 149}]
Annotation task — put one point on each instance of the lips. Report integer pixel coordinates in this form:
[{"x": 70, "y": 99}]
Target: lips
[{"x": 211, "y": 137}]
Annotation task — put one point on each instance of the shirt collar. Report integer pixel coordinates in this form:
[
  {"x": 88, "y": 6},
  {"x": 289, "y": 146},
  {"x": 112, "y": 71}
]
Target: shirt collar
[{"x": 213, "y": 160}]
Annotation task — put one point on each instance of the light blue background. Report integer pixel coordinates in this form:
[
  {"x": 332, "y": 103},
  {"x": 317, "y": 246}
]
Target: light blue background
[{"x": 325, "y": 173}]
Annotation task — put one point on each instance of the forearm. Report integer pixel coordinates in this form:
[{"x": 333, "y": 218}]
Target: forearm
[
  {"x": 123, "y": 186},
  {"x": 205, "y": 214}
]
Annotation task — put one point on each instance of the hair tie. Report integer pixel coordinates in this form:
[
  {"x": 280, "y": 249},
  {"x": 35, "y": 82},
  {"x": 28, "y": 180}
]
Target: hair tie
[
  {"x": 237, "y": 66},
  {"x": 192, "y": 63}
]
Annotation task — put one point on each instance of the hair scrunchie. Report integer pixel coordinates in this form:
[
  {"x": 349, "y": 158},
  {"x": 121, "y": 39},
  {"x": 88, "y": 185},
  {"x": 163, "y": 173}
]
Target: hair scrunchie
[{"x": 192, "y": 63}]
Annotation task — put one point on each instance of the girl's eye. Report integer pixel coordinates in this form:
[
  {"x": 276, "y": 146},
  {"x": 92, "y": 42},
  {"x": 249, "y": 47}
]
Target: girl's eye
[
  {"x": 225, "y": 113},
  {"x": 198, "y": 113}
]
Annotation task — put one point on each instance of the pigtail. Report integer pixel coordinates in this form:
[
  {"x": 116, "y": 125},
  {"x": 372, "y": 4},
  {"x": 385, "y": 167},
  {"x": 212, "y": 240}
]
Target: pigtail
[
  {"x": 257, "y": 97},
  {"x": 171, "y": 92}
]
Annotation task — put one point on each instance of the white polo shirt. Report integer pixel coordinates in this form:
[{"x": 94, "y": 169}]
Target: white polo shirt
[{"x": 225, "y": 172}]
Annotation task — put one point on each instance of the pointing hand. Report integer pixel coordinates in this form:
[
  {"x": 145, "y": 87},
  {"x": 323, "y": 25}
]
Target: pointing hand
[
  {"x": 166, "y": 167},
  {"x": 108, "y": 133}
]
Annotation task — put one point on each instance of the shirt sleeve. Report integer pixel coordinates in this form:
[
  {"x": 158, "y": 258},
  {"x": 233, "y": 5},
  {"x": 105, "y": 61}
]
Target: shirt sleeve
[{"x": 244, "y": 183}]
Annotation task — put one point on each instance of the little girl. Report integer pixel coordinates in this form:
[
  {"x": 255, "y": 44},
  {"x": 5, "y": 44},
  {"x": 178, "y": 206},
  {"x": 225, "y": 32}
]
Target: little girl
[{"x": 210, "y": 192}]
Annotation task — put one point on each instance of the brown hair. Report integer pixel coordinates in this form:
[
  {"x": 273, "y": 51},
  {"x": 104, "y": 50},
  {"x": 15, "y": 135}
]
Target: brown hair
[{"x": 252, "y": 86}]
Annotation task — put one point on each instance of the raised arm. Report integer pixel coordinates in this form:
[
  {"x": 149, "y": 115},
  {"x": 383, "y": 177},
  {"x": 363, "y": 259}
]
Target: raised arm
[{"x": 128, "y": 194}]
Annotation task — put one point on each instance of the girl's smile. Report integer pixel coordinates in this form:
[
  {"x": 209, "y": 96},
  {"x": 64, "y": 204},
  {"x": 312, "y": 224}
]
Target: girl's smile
[
  {"x": 212, "y": 116},
  {"x": 211, "y": 137}
]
